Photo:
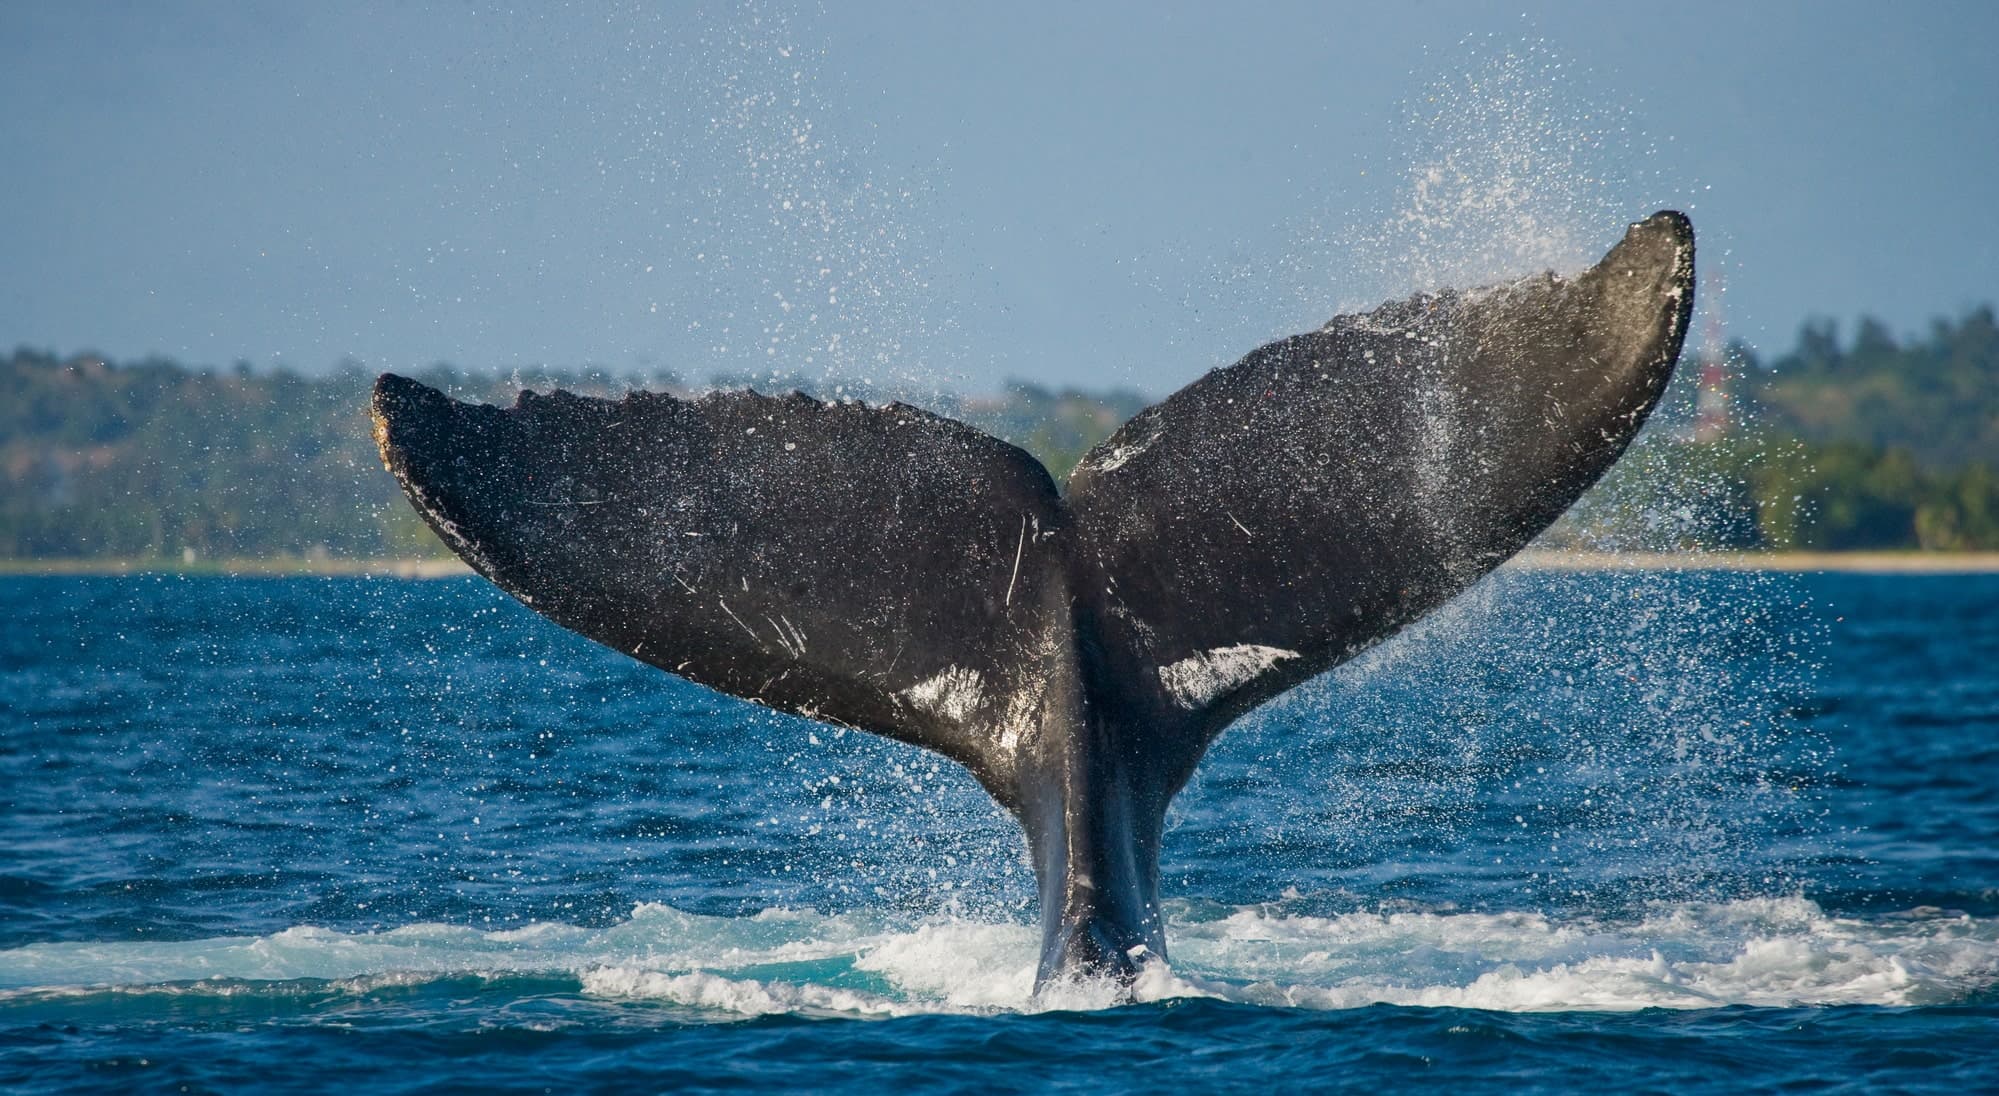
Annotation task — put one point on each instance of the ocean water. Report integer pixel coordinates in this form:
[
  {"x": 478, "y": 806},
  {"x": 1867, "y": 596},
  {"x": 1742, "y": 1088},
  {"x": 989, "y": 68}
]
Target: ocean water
[{"x": 1656, "y": 832}]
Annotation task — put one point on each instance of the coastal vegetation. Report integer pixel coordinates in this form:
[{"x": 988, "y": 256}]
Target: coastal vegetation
[{"x": 1868, "y": 442}]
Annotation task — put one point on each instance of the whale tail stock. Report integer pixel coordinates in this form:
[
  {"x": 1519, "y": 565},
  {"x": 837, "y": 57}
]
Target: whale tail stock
[{"x": 891, "y": 570}]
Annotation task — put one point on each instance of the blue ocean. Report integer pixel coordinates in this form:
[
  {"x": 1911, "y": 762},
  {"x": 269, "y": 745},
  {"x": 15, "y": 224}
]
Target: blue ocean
[{"x": 1642, "y": 831}]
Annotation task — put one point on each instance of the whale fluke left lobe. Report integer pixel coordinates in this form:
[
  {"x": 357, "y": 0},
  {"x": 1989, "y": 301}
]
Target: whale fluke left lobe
[{"x": 878, "y": 567}]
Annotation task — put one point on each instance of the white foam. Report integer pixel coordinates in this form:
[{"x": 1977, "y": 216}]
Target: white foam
[
  {"x": 1776, "y": 952},
  {"x": 744, "y": 997},
  {"x": 960, "y": 964},
  {"x": 1765, "y": 952}
]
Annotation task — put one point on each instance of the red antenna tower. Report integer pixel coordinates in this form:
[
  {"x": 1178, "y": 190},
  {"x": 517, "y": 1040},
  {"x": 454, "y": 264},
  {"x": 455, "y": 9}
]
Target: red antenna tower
[{"x": 1711, "y": 404}]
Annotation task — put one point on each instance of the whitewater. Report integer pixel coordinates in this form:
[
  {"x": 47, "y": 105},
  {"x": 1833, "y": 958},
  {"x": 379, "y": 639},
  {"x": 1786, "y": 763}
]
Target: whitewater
[{"x": 1761, "y": 952}]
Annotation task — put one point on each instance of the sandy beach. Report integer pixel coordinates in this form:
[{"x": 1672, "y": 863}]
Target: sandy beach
[
  {"x": 1913, "y": 563},
  {"x": 277, "y": 567}
]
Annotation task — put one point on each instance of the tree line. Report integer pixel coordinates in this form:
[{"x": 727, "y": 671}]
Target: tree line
[{"x": 1841, "y": 443}]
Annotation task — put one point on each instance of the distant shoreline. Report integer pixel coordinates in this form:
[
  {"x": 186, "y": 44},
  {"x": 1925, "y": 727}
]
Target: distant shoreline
[
  {"x": 1885, "y": 563},
  {"x": 1882, "y": 563},
  {"x": 276, "y": 567}
]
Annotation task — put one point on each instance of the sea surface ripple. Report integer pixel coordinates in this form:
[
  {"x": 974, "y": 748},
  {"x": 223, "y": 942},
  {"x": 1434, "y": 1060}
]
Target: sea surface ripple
[{"x": 1668, "y": 831}]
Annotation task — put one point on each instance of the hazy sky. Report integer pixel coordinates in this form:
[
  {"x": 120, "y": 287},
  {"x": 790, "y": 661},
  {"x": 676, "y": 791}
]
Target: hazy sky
[{"x": 944, "y": 193}]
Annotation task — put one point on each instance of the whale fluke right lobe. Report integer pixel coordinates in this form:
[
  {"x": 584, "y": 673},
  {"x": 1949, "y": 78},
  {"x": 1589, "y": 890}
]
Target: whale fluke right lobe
[{"x": 1275, "y": 517}]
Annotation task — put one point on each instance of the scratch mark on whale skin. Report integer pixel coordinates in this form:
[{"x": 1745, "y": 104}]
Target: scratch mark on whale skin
[{"x": 1018, "y": 548}]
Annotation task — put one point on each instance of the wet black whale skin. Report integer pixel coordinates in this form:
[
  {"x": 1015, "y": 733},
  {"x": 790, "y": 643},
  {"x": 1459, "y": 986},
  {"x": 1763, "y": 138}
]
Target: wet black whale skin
[{"x": 891, "y": 570}]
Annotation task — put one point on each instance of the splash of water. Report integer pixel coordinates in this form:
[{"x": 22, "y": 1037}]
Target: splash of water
[
  {"x": 808, "y": 249},
  {"x": 1515, "y": 164}
]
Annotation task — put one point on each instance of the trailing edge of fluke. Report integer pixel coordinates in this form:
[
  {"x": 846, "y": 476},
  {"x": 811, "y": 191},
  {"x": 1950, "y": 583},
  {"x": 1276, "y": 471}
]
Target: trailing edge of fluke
[{"x": 891, "y": 570}]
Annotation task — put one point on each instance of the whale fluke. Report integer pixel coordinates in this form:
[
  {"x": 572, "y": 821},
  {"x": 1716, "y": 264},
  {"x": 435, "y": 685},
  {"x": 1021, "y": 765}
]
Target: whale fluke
[{"x": 887, "y": 569}]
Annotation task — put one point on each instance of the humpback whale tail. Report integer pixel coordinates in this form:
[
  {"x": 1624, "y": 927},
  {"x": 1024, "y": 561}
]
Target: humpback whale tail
[{"x": 891, "y": 570}]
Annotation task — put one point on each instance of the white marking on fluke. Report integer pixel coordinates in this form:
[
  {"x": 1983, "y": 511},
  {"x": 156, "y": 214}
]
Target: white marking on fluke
[
  {"x": 1023, "y": 708},
  {"x": 1118, "y": 456},
  {"x": 1110, "y": 458},
  {"x": 1198, "y": 679},
  {"x": 954, "y": 694}
]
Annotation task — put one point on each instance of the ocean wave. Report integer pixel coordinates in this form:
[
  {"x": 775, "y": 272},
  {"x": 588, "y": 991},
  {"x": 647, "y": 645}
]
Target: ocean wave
[{"x": 1760, "y": 952}]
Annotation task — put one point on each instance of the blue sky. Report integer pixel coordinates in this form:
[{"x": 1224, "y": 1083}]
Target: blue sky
[{"x": 1130, "y": 194}]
